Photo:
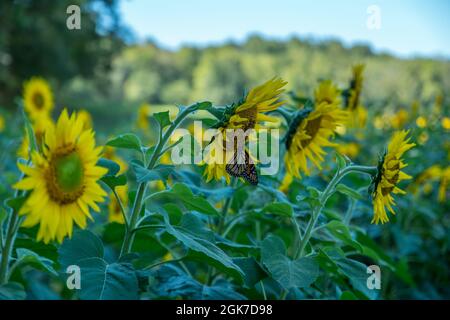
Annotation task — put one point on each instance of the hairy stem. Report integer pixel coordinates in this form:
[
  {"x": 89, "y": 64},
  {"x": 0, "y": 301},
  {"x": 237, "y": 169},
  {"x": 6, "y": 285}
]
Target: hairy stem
[{"x": 137, "y": 204}]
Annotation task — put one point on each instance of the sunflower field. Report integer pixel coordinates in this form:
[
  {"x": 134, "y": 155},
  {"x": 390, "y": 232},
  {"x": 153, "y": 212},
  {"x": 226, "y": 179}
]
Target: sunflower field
[{"x": 159, "y": 206}]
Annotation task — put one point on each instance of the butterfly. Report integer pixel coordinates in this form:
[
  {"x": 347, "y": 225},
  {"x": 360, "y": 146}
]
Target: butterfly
[{"x": 242, "y": 166}]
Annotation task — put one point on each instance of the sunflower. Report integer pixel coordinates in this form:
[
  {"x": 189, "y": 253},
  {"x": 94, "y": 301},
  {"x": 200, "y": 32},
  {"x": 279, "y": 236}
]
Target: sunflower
[
  {"x": 309, "y": 132},
  {"x": 247, "y": 114},
  {"x": 431, "y": 174},
  {"x": 62, "y": 180},
  {"x": 40, "y": 125},
  {"x": 399, "y": 119},
  {"x": 38, "y": 97},
  {"x": 350, "y": 149},
  {"x": 143, "y": 115},
  {"x": 352, "y": 98},
  {"x": 327, "y": 92},
  {"x": 389, "y": 175}
]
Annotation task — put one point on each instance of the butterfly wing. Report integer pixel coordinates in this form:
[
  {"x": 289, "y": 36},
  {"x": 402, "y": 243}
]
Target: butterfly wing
[{"x": 243, "y": 168}]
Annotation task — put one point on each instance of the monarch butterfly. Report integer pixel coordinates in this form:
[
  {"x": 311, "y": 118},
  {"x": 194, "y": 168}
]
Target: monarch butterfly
[{"x": 242, "y": 168}]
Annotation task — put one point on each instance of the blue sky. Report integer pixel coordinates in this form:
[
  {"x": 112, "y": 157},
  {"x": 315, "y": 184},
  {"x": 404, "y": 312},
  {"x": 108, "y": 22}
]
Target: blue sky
[{"x": 408, "y": 27}]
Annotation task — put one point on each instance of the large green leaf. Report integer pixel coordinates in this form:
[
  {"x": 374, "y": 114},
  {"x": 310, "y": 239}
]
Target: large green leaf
[
  {"x": 103, "y": 281},
  {"x": 181, "y": 192},
  {"x": 173, "y": 283},
  {"x": 12, "y": 291},
  {"x": 341, "y": 232},
  {"x": 161, "y": 172},
  {"x": 279, "y": 208},
  {"x": 25, "y": 256},
  {"x": 83, "y": 245},
  {"x": 126, "y": 141},
  {"x": 289, "y": 273},
  {"x": 112, "y": 181},
  {"x": 202, "y": 249},
  {"x": 99, "y": 279},
  {"x": 163, "y": 118}
]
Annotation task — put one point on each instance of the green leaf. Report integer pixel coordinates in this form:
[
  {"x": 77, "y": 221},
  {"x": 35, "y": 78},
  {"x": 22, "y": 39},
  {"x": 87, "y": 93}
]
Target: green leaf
[
  {"x": 103, "y": 281},
  {"x": 3, "y": 215},
  {"x": 114, "y": 182},
  {"x": 83, "y": 245},
  {"x": 15, "y": 203},
  {"x": 252, "y": 270},
  {"x": 279, "y": 208},
  {"x": 341, "y": 161},
  {"x": 163, "y": 118},
  {"x": 341, "y": 231},
  {"x": 99, "y": 280},
  {"x": 288, "y": 273},
  {"x": 203, "y": 249},
  {"x": 175, "y": 284},
  {"x": 126, "y": 141},
  {"x": 30, "y": 133},
  {"x": 25, "y": 256},
  {"x": 348, "y": 295},
  {"x": 342, "y": 188},
  {"x": 160, "y": 172},
  {"x": 357, "y": 274},
  {"x": 12, "y": 291},
  {"x": 181, "y": 192},
  {"x": 113, "y": 167}
]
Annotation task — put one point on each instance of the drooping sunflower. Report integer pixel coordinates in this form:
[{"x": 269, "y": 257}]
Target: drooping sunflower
[
  {"x": 352, "y": 98},
  {"x": 40, "y": 125},
  {"x": 38, "y": 97},
  {"x": 310, "y": 131},
  {"x": 62, "y": 180},
  {"x": 389, "y": 175},
  {"x": 249, "y": 113}
]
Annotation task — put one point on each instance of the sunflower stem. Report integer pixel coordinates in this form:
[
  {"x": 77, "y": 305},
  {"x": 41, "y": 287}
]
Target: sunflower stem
[
  {"x": 7, "y": 248},
  {"x": 137, "y": 205},
  {"x": 316, "y": 210},
  {"x": 226, "y": 207}
]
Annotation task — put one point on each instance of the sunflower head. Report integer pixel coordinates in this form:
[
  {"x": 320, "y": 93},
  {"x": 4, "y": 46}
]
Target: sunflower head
[
  {"x": 309, "y": 132},
  {"x": 248, "y": 113},
  {"x": 62, "y": 180},
  {"x": 389, "y": 175},
  {"x": 327, "y": 92},
  {"x": 38, "y": 97},
  {"x": 352, "y": 97}
]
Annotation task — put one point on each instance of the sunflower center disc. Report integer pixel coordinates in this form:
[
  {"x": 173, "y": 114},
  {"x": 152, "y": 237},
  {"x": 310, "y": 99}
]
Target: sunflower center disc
[
  {"x": 38, "y": 100},
  {"x": 69, "y": 172}
]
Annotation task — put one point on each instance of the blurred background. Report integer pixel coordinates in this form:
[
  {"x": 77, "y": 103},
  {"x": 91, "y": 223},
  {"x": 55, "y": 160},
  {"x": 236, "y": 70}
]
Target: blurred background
[{"x": 128, "y": 52}]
